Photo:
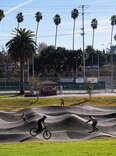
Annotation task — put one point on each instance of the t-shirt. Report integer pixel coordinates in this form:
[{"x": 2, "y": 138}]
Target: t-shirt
[{"x": 41, "y": 121}]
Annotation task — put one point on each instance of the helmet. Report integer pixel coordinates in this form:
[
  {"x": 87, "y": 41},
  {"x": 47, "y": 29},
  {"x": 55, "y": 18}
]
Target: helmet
[
  {"x": 44, "y": 117},
  {"x": 90, "y": 116}
]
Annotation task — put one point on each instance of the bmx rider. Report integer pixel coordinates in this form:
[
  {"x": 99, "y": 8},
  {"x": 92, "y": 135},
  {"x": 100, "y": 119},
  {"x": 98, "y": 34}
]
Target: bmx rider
[{"x": 41, "y": 123}]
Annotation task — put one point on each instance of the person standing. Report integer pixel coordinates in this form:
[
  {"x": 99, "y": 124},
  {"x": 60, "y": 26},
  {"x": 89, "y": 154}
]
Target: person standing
[{"x": 62, "y": 102}]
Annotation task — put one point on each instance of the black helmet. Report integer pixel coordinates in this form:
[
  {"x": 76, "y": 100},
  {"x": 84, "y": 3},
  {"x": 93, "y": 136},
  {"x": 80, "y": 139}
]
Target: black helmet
[
  {"x": 44, "y": 117},
  {"x": 90, "y": 116}
]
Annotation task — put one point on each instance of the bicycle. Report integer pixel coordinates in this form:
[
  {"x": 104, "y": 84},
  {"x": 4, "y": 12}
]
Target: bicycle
[{"x": 45, "y": 132}]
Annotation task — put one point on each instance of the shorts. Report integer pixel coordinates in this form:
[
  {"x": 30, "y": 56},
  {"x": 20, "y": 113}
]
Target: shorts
[
  {"x": 94, "y": 124},
  {"x": 40, "y": 127}
]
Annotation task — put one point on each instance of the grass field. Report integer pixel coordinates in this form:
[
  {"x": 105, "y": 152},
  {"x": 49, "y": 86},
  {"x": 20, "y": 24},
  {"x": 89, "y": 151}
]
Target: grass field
[
  {"x": 14, "y": 103},
  {"x": 96, "y": 147}
]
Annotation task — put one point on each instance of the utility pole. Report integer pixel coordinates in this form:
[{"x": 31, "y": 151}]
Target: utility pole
[{"x": 83, "y": 33}]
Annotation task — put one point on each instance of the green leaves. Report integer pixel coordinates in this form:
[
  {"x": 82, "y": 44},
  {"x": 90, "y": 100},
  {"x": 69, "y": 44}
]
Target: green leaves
[
  {"x": 38, "y": 16},
  {"x": 20, "y": 17},
  {"x": 94, "y": 23},
  {"x": 1, "y": 14},
  {"x": 113, "y": 20},
  {"x": 22, "y": 45},
  {"x": 57, "y": 19},
  {"x": 74, "y": 13}
]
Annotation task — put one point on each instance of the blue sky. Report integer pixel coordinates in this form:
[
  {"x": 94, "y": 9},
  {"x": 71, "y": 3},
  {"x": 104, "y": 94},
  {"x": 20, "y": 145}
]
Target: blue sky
[{"x": 102, "y": 10}]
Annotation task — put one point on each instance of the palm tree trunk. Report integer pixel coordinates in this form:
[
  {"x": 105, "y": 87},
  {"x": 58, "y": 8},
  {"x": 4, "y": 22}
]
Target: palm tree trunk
[
  {"x": 36, "y": 32},
  {"x": 93, "y": 39},
  {"x": 93, "y": 45},
  {"x": 28, "y": 70},
  {"x": 73, "y": 33},
  {"x": 56, "y": 35},
  {"x": 33, "y": 65},
  {"x": 18, "y": 26},
  {"x": 112, "y": 70},
  {"x": 33, "y": 54},
  {"x": 111, "y": 35},
  {"x": 21, "y": 77}
]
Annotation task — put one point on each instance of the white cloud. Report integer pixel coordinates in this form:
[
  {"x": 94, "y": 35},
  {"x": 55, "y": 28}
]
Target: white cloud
[
  {"x": 18, "y": 6},
  {"x": 30, "y": 11}
]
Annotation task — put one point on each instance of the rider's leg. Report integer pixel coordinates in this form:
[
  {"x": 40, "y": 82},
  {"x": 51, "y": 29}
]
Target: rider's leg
[
  {"x": 39, "y": 129},
  {"x": 94, "y": 126}
]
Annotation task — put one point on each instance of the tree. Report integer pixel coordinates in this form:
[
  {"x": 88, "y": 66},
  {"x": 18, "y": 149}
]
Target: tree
[
  {"x": 57, "y": 21},
  {"x": 89, "y": 88},
  {"x": 19, "y": 18},
  {"x": 58, "y": 61},
  {"x": 1, "y": 14},
  {"x": 20, "y": 48},
  {"x": 34, "y": 86},
  {"x": 38, "y": 17},
  {"x": 115, "y": 37},
  {"x": 94, "y": 24},
  {"x": 74, "y": 15},
  {"x": 90, "y": 55},
  {"x": 113, "y": 22},
  {"x": 41, "y": 46}
]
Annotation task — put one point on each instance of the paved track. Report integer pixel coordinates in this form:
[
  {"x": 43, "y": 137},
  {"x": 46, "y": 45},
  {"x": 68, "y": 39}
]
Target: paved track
[{"x": 65, "y": 123}]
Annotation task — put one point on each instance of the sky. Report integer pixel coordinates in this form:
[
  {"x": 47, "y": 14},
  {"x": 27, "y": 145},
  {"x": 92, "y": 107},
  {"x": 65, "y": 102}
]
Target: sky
[{"x": 102, "y": 10}]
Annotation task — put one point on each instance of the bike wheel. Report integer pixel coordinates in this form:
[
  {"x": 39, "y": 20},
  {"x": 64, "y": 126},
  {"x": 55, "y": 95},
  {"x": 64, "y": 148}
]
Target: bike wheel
[
  {"x": 47, "y": 134},
  {"x": 33, "y": 131}
]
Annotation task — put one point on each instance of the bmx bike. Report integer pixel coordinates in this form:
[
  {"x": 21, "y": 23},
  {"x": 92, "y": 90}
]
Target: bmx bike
[{"x": 45, "y": 132}]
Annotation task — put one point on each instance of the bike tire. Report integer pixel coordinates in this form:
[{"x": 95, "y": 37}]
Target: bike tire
[
  {"x": 46, "y": 134},
  {"x": 33, "y": 131}
]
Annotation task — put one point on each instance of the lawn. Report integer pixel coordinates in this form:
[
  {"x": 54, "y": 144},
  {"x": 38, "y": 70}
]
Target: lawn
[
  {"x": 97, "y": 147},
  {"x": 14, "y": 103}
]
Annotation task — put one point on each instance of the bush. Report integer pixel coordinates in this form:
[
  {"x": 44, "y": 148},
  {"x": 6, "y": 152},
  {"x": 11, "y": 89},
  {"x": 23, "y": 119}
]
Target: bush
[{"x": 89, "y": 88}]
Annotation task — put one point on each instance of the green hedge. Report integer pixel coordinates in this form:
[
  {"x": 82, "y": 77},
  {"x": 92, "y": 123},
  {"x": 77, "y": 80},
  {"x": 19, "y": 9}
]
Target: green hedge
[
  {"x": 80, "y": 86},
  {"x": 12, "y": 85}
]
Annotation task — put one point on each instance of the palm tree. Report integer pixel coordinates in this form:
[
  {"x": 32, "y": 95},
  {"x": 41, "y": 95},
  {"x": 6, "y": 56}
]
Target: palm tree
[
  {"x": 38, "y": 17},
  {"x": 74, "y": 15},
  {"x": 94, "y": 24},
  {"x": 57, "y": 21},
  {"x": 1, "y": 14},
  {"x": 115, "y": 37},
  {"x": 113, "y": 23},
  {"x": 20, "y": 48},
  {"x": 19, "y": 18}
]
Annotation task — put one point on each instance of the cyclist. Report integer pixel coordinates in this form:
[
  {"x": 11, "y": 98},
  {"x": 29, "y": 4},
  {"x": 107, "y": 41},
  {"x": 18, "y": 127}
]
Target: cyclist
[
  {"x": 94, "y": 123},
  {"x": 41, "y": 123}
]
